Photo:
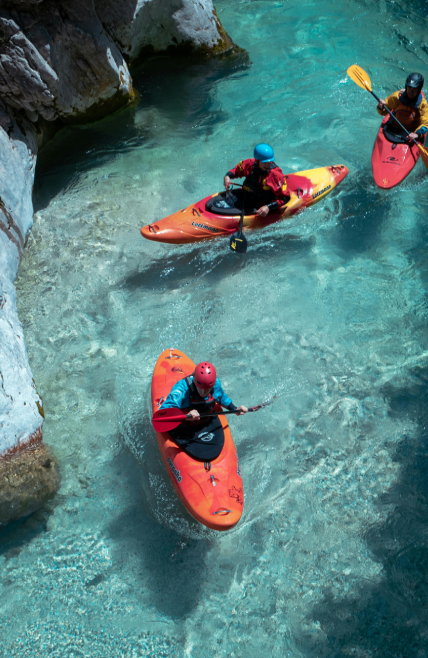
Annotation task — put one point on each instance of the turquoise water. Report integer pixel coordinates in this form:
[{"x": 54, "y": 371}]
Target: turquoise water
[{"x": 327, "y": 312}]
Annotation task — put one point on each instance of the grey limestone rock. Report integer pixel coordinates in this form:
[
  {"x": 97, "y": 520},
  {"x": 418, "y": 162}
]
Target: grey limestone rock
[
  {"x": 137, "y": 24},
  {"x": 19, "y": 401},
  {"x": 20, "y": 404},
  {"x": 65, "y": 58},
  {"x": 56, "y": 60}
]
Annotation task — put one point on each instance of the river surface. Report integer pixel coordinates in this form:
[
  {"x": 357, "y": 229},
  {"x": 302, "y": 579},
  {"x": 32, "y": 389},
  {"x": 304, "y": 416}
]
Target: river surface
[{"x": 327, "y": 312}]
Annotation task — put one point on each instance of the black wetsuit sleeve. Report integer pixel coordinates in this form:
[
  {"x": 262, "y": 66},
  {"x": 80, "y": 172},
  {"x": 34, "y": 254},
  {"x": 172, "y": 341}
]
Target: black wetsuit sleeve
[
  {"x": 231, "y": 407},
  {"x": 273, "y": 206},
  {"x": 230, "y": 174}
]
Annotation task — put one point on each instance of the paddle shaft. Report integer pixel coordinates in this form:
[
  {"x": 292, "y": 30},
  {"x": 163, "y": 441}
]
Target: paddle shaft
[
  {"x": 220, "y": 413},
  {"x": 393, "y": 116},
  {"x": 241, "y": 221}
]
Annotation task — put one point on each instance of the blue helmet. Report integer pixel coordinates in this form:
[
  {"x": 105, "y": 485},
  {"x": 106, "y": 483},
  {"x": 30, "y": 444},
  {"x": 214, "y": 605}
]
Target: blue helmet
[{"x": 264, "y": 153}]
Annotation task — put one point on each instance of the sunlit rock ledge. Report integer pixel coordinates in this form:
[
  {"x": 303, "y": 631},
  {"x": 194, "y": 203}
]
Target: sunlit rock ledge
[{"x": 62, "y": 61}]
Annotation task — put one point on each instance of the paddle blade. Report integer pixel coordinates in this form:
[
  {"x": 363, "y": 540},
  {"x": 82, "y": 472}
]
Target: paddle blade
[
  {"x": 238, "y": 243},
  {"x": 360, "y": 77},
  {"x": 263, "y": 404},
  {"x": 165, "y": 420}
]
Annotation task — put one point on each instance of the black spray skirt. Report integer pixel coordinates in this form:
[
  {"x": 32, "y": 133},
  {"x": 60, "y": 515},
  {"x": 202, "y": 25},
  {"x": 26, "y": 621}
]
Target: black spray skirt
[{"x": 202, "y": 441}]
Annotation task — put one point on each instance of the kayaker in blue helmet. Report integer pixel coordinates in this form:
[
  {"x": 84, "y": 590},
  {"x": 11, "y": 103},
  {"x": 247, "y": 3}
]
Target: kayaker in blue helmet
[
  {"x": 264, "y": 180},
  {"x": 409, "y": 106}
]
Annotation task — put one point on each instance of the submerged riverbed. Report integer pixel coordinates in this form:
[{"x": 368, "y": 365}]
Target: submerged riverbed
[{"x": 327, "y": 312}]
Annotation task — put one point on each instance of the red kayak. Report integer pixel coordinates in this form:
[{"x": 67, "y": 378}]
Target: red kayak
[{"x": 393, "y": 158}]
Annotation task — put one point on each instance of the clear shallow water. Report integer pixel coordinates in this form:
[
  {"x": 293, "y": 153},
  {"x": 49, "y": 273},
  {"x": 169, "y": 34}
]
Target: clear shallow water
[{"x": 327, "y": 312}]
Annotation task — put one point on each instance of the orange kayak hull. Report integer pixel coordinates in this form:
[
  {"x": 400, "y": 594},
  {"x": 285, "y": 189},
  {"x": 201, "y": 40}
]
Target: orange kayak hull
[
  {"x": 195, "y": 223},
  {"x": 213, "y": 497}
]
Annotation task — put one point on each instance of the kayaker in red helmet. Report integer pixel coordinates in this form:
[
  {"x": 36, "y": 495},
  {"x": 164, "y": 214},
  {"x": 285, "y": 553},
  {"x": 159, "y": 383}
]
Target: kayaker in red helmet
[
  {"x": 199, "y": 393},
  {"x": 264, "y": 180},
  {"x": 409, "y": 106}
]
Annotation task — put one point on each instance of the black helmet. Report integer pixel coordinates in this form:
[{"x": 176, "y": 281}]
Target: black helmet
[{"x": 415, "y": 80}]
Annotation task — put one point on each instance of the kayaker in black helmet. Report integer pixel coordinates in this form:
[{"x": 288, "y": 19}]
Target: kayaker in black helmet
[
  {"x": 409, "y": 106},
  {"x": 264, "y": 180}
]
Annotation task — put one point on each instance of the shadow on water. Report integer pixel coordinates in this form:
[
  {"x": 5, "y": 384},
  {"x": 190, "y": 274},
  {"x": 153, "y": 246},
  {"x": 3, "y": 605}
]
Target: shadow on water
[
  {"x": 172, "y": 567},
  {"x": 181, "y": 269},
  {"x": 389, "y": 618},
  {"x": 362, "y": 219},
  {"x": 175, "y": 95},
  {"x": 16, "y": 535}
]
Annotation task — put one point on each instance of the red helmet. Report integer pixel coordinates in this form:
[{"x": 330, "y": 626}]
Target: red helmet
[{"x": 205, "y": 375}]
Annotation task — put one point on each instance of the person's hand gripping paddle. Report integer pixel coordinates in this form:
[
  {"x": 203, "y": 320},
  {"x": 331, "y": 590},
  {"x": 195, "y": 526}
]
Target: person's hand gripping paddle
[
  {"x": 167, "y": 419},
  {"x": 360, "y": 77},
  {"x": 238, "y": 242}
]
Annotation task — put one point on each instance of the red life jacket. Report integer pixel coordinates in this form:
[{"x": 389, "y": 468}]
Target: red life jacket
[{"x": 255, "y": 183}]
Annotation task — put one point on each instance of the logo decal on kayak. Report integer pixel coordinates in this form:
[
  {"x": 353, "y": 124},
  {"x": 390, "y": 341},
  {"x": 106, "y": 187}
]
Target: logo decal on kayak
[
  {"x": 237, "y": 493},
  {"x": 206, "y": 436},
  {"x": 177, "y": 369},
  {"x": 391, "y": 160},
  {"x": 207, "y": 228},
  {"x": 174, "y": 470},
  {"x": 314, "y": 196}
]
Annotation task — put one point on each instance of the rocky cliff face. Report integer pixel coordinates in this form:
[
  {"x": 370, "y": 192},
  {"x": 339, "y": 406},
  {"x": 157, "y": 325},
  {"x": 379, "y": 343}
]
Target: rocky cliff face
[
  {"x": 137, "y": 24},
  {"x": 56, "y": 60},
  {"x": 64, "y": 60}
]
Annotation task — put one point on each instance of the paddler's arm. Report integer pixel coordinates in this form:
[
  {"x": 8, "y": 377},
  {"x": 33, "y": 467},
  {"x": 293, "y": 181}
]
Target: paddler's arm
[
  {"x": 227, "y": 180},
  {"x": 391, "y": 103},
  {"x": 242, "y": 169},
  {"x": 178, "y": 397},
  {"x": 422, "y": 129}
]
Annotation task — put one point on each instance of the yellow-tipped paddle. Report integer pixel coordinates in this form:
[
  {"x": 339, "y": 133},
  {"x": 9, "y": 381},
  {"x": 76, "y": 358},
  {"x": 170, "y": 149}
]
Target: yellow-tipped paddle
[{"x": 360, "y": 77}]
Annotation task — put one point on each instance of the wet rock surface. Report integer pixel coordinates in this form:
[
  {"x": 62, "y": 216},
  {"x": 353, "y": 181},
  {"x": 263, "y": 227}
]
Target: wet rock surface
[
  {"x": 19, "y": 401},
  {"x": 161, "y": 24},
  {"x": 28, "y": 478},
  {"x": 56, "y": 60}
]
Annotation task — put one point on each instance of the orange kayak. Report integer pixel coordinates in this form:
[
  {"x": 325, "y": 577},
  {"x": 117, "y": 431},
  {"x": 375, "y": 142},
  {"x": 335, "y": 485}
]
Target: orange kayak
[
  {"x": 217, "y": 216},
  {"x": 214, "y": 497}
]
